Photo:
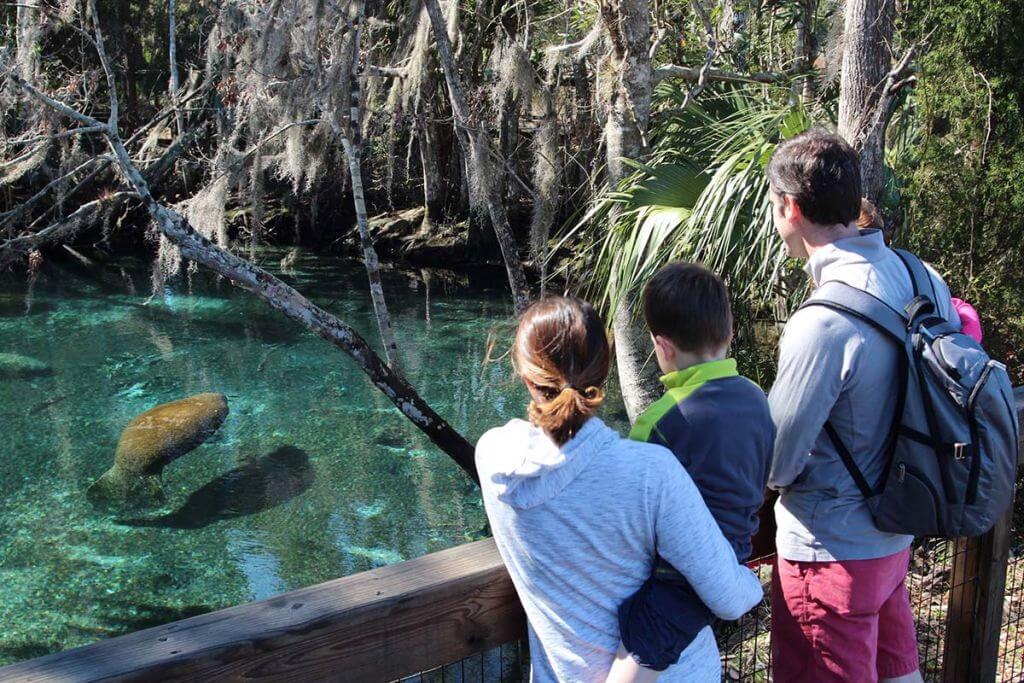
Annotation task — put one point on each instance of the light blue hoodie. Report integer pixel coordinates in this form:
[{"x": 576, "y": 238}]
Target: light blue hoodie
[{"x": 578, "y": 527}]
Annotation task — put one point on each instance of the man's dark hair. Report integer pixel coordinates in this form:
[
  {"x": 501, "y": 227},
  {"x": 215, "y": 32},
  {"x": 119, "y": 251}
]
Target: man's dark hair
[
  {"x": 688, "y": 304},
  {"x": 822, "y": 172}
]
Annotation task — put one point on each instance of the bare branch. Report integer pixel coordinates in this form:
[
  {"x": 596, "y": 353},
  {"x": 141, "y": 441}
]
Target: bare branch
[
  {"x": 688, "y": 73},
  {"x": 702, "y": 13},
  {"x": 101, "y": 52},
  {"x": 57, "y": 231},
  {"x": 71, "y": 132},
  {"x": 18, "y": 159},
  {"x": 385, "y": 71},
  {"x": 875, "y": 120},
  {"x": 56, "y": 105},
  {"x": 19, "y": 210}
]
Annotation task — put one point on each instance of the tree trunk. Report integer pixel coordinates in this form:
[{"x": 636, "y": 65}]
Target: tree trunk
[
  {"x": 129, "y": 43},
  {"x": 547, "y": 176},
  {"x": 732, "y": 31},
  {"x": 867, "y": 58},
  {"x": 628, "y": 110},
  {"x": 508, "y": 133},
  {"x": 806, "y": 50},
  {"x": 433, "y": 185},
  {"x": 585, "y": 128},
  {"x": 352, "y": 145},
  {"x": 26, "y": 57},
  {"x": 172, "y": 55},
  {"x": 634, "y": 360},
  {"x": 476, "y": 148}
]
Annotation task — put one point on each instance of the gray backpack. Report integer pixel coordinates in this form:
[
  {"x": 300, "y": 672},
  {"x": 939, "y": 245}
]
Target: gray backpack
[{"x": 952, "y": 447}]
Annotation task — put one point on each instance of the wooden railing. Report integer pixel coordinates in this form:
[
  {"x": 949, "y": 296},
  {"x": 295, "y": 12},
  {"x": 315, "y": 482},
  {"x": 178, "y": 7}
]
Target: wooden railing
[
  {"x": 378, "y": 625},
  {"x": 391, "y": 622}
]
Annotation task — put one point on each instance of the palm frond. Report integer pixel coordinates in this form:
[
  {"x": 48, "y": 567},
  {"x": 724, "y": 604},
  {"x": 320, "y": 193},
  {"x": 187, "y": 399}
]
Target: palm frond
[{"x": 702, "y": 197}]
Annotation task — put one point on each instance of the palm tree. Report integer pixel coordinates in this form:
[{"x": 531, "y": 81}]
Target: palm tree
[{"x": 702, "y": 197}]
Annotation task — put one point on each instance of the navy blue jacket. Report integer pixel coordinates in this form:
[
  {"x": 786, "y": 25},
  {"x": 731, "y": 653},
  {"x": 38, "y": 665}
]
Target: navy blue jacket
[{"x": 718, "y": 425}]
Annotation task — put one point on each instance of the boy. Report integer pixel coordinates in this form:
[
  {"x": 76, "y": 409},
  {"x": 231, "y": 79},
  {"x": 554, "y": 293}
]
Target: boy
[{"x": 718, "y": 425}]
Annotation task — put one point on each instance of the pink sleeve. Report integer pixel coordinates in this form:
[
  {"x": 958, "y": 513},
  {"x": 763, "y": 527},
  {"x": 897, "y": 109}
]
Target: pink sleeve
[{"x": 970, "y": 322}]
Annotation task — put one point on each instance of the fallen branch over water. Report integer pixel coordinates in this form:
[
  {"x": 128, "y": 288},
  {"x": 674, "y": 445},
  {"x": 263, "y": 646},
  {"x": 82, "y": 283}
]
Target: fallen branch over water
[{"x": 270, "y": 289}]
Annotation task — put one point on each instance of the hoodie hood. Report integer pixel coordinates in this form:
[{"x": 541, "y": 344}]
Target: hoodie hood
[{"x": 527, "y": 468}]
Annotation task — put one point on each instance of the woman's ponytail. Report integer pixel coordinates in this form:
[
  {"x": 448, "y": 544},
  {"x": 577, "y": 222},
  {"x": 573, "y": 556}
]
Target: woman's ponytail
[{"x": 561, "y": 350}]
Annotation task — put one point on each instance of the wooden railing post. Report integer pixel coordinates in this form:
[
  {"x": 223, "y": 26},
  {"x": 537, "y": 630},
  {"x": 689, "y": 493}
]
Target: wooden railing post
[{"x": 978, "y": 582}]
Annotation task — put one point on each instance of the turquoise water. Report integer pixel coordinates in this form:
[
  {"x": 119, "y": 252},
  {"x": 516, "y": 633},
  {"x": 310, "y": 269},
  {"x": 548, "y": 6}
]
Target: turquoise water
[{"x": 312, "y": 476}]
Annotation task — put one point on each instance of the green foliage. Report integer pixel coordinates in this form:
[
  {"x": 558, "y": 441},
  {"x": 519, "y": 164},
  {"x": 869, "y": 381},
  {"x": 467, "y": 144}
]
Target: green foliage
[
  {"x": 965, "y": 174},
  {"x": 703, "y": 198}
]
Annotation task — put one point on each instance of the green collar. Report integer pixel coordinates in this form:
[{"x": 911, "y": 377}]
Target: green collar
[
  {"x": 695, "y": 375},
  {"x": 679, "y": 385}
]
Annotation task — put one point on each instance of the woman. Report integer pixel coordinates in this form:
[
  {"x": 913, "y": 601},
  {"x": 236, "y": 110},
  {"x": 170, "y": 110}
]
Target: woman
[{"x": 578, "y": 512}]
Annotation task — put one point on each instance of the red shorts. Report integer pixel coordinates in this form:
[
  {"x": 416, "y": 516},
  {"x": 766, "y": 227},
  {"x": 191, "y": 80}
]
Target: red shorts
[{"x": 842, "y": 621}]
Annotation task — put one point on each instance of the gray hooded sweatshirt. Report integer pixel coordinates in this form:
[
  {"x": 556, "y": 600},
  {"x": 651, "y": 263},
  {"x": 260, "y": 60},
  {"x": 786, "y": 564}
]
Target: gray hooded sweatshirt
[
  {"x": 578, "y": 527},
  {"x": 837, "y": 368}
]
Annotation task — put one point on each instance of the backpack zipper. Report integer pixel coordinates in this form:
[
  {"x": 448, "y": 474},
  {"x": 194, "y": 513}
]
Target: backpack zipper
[{"x": 975, "y": 473}]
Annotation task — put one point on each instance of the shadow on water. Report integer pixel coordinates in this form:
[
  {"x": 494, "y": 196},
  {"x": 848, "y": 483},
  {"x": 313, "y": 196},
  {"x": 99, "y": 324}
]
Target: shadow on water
[{"x": 266, "y": 483}]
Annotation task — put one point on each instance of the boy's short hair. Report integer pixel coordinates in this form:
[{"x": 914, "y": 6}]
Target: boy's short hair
[
  {"x": 688, "y": 304},
  {"x": 822, "y": 172}
]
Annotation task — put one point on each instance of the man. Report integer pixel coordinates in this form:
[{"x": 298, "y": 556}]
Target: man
[{"x": 840, "y": 610}]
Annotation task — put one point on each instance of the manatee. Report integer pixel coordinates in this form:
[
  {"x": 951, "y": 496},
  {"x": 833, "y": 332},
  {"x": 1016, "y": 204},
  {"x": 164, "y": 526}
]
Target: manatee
[
  {"x": 153, "y": 439},
  {"x": 13, "y": 365}
]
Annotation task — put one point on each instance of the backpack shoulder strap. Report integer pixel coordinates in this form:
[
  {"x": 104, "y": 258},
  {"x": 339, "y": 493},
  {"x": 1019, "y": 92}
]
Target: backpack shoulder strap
[
  {"x": 845, "y": 298},
  {"x": 859, "y": 304},
  {"x": 848, "y": 461},
  {"x": 919, "y": 275}
]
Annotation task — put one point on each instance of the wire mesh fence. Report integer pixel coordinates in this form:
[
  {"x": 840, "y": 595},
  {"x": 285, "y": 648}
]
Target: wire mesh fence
[
  {"x": 745, "y": 645},
  {"x": 929, "y": 585},
  {"x": 508, "y": 663},
  {"x": 1011, "y": 640}
]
